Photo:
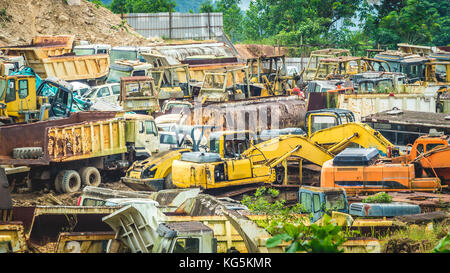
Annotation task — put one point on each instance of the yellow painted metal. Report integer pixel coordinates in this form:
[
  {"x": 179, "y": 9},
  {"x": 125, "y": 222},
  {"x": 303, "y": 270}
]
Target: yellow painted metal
[
  {"x": 17, "y": 106},
  {"x": 83, "y": 242},
  {"x": 345, "y": 134},
  {"x": 15, "y": 232},
  {"x": 86, "y": 140},
  {"x": 256, "y": 164}
]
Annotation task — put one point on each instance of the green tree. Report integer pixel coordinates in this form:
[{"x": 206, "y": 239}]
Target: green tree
[{"x": 142, "y": 6}]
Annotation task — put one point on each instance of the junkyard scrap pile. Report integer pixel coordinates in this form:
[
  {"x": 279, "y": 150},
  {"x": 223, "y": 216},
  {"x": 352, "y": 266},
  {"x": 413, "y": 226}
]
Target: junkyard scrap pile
[{"x": 101, "y": 127}]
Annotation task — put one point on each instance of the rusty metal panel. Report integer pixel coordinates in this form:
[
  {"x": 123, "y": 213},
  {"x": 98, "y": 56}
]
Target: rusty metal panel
[
  {"x": 15, "y": 231},
  {"x": 86, "y": 140},
  {"x": 36, "y": 135},
  {"x": 43, "y": 224},
  {"x": 253, "y": 114},
  {"x": 83, "y": 242}
]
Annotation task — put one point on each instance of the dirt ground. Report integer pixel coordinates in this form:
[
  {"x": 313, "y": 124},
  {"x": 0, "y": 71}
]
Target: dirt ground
[
  {"x": 21, "y": 20},
  {"x": 46, "y": 197}
]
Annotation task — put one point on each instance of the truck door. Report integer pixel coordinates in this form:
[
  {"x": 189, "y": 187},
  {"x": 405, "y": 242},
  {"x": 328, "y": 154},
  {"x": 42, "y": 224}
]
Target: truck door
[
  {"x": 61, "y": 104},
  {"x": 147, "y": 136}
]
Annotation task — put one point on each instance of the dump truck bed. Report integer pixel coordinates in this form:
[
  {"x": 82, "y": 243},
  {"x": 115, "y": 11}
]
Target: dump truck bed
[
  {"x": 51, "y": 56},
  {"x": 81, "y": 136}
]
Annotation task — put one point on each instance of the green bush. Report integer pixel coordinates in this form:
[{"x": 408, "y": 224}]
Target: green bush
[{"x": 380, "y": 197}]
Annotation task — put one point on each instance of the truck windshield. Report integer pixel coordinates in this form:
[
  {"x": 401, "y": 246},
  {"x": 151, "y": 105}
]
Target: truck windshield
[
  {"x": 167, "y": 139},
  {"x": 334, "y": 201},
  {"x": 115, "y": 75},
  {"x": 2, "y": 89},
  {"x": 83, "y": 51},
  {"x": 385, "y": 86},
  {"x": 214, "y": 81},
  {"x": 123, "y": 55}
]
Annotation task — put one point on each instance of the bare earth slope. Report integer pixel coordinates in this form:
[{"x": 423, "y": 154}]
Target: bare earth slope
[{"x": 21, "y": 20}]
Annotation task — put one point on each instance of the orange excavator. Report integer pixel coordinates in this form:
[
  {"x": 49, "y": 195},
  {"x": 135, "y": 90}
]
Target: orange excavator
[{"x": 426, "y": 167}]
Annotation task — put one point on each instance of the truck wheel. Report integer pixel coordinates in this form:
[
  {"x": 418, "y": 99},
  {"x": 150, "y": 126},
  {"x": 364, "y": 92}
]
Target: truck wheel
[
  {"x": 71, "y": 181},
  {"x": 58, "y": 181},
  {"x": 90, "y": 176},
  {"x": 27, "y": 152},
  {"x": 168, "y": 182}
]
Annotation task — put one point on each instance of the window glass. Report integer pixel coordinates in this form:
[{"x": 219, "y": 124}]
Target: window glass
[
  {"x": 11, "y": 91},
  {"x": 316, "y": 200},
  {"x": 2, "y": 88},
  {"x": 23, "y": 89},
  {"x": 322, "y": 122},
  {"x": 149, "y": 128},
  {"x": 214, "y": 146},
  {"x": 369, "y": 87},
  {"x": 167, "y": 139},
  {"x": 93, "y": 202},
  {"x": 141, "y": 127},
  {"x": 103, "y": 92},
  {"x": 420, "y": 148},
  {"x": 334, "y": 201},
  {"x": 139, "y": 73},
  {"x": 187, "y": 245},
  {"x": 306, "y": 201},
  {"x": 115, "y": 89},
  {"x": 432, "y": 146}
]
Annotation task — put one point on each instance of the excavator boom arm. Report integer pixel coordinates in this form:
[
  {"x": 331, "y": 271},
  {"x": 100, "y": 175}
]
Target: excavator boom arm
[
  {"x": 279, "y": 148},
  {"x": 337, "y": 138}
]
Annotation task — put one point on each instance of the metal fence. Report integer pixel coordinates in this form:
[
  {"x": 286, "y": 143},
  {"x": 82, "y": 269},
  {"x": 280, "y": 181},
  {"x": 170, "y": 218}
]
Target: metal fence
[
  {"x": 177, "y": 25},
  {"x": 300, "y": 63}
]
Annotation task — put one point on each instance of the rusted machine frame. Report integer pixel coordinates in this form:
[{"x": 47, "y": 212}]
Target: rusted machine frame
[
  {"x": 123, "y": 97},
  {"x": 335, "y": 64},
  {"x": 60, "y": 218},
  {"x": 69, "y": 242},
  {"x": 15, "y": 231}
]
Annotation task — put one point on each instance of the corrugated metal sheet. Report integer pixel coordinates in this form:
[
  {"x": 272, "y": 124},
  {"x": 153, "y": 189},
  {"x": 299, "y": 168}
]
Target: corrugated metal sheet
[{"x": 176, "y": 25}]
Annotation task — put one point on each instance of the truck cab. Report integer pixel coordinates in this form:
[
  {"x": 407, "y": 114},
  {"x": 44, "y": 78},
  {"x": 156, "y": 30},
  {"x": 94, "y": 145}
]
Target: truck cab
[
  {"x": 223, "y": 85},
  {"x": 172, "y": 82},
  {"x": 127, "y": 68},
  {"x": 128, "y": 53},
  {"x": 321, "y": 200},
  {"x": 139, "y": 94},
  {"x": 412, "y": 65},
  {"x": 143, "y": 134},
  {"x": 91, "y": 49}
]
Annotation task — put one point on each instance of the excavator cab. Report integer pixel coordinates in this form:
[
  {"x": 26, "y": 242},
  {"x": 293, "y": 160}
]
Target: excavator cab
[
  {"x": 325, "y": 118},
  {"x": 231, "y": 144},
  {"x": 18, "y": 102}
]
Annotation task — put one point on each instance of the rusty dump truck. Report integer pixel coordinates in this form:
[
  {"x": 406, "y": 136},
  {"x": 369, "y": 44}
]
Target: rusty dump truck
[
  {"x": 71, "y": 151},
  {"x": 52, "y": 56}
]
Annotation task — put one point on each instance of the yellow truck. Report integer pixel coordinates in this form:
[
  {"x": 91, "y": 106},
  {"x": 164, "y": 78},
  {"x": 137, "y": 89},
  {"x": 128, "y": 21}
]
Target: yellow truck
[
  {"x": 71, "y": 151},
  {"x": 51, "y": 56}
]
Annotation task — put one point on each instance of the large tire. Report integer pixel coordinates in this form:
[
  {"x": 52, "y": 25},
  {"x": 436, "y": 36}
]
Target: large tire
[
  {"x": 71, "y": 181},
  {"x": 90, "y": 176},
  {"x": 168, "y": 182},
  {"x": 58, "y": 181},
  {"x": 27, "y": 153}
]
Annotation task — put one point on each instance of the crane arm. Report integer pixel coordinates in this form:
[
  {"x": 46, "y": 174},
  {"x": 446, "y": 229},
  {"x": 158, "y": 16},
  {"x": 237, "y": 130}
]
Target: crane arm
[{"x": 337, "y": 138}]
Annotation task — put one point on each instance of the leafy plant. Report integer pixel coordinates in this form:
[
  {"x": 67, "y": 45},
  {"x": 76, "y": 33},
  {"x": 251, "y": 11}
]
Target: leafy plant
[
  {"x": 326, "y": 238},
  {"x": 443, "y": 246},
  {"x": 380, "y": 197},
  {"x": 278, "y": 213}
]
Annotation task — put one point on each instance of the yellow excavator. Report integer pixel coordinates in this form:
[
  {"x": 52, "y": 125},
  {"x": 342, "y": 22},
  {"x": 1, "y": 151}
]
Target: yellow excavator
[{"x": 235, "y": 160}]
